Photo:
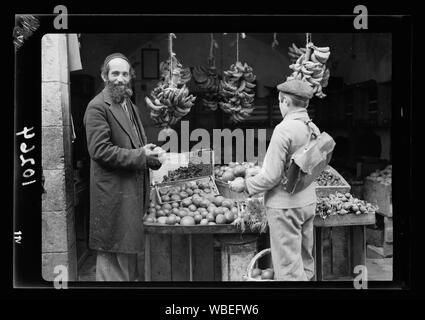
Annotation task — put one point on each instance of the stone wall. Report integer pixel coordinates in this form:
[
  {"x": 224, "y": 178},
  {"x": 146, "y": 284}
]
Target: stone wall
[{"x": 58, "y": 231}]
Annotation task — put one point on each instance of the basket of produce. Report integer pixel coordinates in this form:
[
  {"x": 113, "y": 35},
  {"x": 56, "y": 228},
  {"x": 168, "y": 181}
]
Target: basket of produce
[
  {"x": 382, "y": 176},
  {"x": 254, "y": 273},
  {"x": 378, "y": 190},
  {"x": 234, "y": 171},
  {"x": 252, "y": 215},
  {"x": 203, "y": 208},
  {"x": 179, "y": 190},
  {"x": 329, "y": 182}
]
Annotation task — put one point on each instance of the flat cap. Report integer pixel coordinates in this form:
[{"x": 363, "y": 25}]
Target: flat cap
[{"x": 298, "y": 88}]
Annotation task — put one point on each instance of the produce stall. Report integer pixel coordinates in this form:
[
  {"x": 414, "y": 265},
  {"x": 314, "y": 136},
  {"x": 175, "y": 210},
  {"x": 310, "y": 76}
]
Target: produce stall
[{"x": 197, "y": 229}]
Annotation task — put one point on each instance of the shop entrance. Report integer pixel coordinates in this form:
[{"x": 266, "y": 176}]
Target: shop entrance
[{"x": 82, "y": 91}]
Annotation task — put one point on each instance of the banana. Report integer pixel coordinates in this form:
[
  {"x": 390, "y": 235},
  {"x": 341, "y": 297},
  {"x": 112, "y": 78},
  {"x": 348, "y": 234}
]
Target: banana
[
  {"x": 242, "y": 86},
  {"x": 152, "y": 105},
  {"x": 300, "y": 59},
  {"x": 250, "y": 85},
  {"x": 293, "y": 55},
  {"x": 305, "y": 71},
  {"x": 321, "y": 49},
  {"x": 239, "y": 66},
  {"x": 157, "y": 102},
  {"x": 313, "y": 58},
  {"x": 314, "y": 82},
  {"x": 322, "y": 56}
]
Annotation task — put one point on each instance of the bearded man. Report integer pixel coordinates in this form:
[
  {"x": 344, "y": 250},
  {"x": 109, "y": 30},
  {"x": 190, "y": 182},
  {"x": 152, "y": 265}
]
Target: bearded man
[{"x": 119, "y": 173}]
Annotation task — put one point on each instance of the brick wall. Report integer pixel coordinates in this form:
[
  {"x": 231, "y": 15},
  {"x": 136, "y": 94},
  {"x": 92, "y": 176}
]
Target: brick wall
[{"x": 58, "y": 231}]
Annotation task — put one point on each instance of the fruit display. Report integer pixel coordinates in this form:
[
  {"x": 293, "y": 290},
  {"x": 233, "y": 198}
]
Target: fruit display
[
  {"x": 170, "y": 99},
  {"x": 237, "y": 91},
  {"x": 236, "y": 170},
  {"x": 176, "y": 192},
  {"x": 264, "y": 274},
  {"x": 199, "y": 208},
  {"x": 382, "y": 176},
  {"x": 208, "y": 79},
  {"x": 309, "y": 64},
  {"x": 342, "y": 204},
  {"x": 189, "y": 172},
  {"x": 252, "y": 215},
  {"x": 327, "y": 178}
]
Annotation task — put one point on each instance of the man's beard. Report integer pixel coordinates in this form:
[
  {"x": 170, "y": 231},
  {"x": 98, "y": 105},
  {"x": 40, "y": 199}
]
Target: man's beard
[{"x": 119, "y": 91}]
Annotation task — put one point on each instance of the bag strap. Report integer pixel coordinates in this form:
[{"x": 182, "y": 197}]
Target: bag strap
[{"x": 313, "y": 135}]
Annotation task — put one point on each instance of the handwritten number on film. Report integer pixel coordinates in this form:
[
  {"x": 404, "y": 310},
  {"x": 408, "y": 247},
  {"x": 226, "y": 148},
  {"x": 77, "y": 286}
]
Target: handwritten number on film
[{"x": 25, "y": 160}]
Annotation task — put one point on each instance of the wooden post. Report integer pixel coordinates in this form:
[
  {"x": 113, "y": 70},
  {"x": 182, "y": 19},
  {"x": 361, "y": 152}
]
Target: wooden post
[
  {"x": 318, "y": 249},
  {"x": 358, "y": 247}
]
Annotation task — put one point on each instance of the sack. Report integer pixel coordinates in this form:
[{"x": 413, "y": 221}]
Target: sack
[{"x": 307, "y": 163}]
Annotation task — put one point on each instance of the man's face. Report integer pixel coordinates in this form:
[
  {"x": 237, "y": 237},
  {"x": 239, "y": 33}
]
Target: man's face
[
  {"x": 118, "y": 80},
  {"x": 283, "y": 104}
]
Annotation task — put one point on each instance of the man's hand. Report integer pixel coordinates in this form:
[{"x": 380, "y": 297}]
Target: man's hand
[{"x": 149, "y": 150}]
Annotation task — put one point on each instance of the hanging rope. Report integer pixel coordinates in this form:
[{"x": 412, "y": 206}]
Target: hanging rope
[
  {"x": 212, "y": 45},
  {"x": 307, "y": 39},
  {"x": 170, "y": 50},
  {"x": 237, "y": 47},
  {"x": 275, "y": 42},
  {"x": 307, "y": 45}
]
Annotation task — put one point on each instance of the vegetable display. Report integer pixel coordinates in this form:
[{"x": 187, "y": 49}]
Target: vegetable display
[
  {"x": 382, "y": 176},
  {"x": 342, "y": 204},
  {"x": 309, "y": 64},
  {"x": 327, "y": 178},
  {"x": 252, "y": 215}
]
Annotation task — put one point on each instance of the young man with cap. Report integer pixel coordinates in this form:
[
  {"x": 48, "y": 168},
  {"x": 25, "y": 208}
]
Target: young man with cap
[
  {"x": 119, "y": 173},
  {"x": 290, "y": 217}
]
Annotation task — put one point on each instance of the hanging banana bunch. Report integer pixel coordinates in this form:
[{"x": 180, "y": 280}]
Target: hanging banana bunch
[
  {"x": 170, "y": 99},
  {"x": 310, "y": 66},
  {"x": 237, "y": 90},
  {"x": 208, "y": 79}
]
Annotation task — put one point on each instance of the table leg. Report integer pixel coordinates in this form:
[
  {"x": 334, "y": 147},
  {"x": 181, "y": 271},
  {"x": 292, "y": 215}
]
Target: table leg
[
  {"x": 190, "y": 259},
  {"x": 318, "y": 254},
  {"x": 358, "y": 246},
  {"x": 147, "y": 257}
]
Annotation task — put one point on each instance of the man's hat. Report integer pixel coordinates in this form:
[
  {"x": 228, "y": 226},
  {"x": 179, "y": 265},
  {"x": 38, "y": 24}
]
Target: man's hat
[
  {"x": 298, "y": 88},
  {"x": 113, "y": 56}
]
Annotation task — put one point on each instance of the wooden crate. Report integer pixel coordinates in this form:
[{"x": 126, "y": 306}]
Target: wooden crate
[
  {"x": 170, "y": 185},
  {"x": 324, "y": 191},
  {"x": 378, "y": 194},
  {"x": 340, "y": 245}
]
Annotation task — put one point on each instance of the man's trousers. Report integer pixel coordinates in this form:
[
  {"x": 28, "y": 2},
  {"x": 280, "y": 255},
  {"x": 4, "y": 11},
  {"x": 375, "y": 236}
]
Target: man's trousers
[
  {"x": 115, "y": 266},
  {"x": 291, "y": 242}
]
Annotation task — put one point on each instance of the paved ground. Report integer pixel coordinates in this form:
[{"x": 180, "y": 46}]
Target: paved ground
[{"x": 378, "y": 269}]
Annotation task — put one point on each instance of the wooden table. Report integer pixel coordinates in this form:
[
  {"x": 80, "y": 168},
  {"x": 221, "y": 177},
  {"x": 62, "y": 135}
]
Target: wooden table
[
  {"x": 196, "y": 253},
  {"x": 187, "y": 253}
]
